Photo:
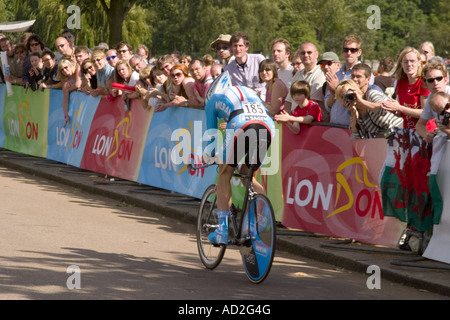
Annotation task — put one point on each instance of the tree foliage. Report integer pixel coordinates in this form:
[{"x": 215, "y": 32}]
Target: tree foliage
[{"x": 190, "y": 26}]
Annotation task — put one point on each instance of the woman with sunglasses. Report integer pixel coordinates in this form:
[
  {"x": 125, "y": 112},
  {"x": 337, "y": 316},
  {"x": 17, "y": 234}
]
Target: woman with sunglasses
[
  {"x": 410, "y": 90},
  {"x": 104, "y": 74},
  {"x": 34, "y": 44},
  {"x": 181, "y": 89},
  {"x": 89, "y": 77},
  {"x": 276, "y": 90},
  {"x": 69, "y": 76}
]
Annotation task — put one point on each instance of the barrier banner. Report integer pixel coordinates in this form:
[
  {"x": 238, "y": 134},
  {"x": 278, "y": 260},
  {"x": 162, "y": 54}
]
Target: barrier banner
[
  {"x": 67, "y": 144},
  {"x": 437, "y": 248},
  {"x": 174, "y": 140},
  {"x": 329, "y": 189},
  {"x": 25, "y": 119},
  {"x": 405, "y": 180},
  {"x": 116, "y": 139}
]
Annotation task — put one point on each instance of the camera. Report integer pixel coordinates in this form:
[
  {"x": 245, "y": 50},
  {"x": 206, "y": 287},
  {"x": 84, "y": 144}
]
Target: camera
[
  {"x": 349, "y": 96},
  {"x": 446, "y": 118}
]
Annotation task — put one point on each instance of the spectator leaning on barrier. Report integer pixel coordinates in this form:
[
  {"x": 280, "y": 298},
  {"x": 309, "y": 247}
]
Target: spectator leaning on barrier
[
  {"x": 70, "y": 77},
  {"x": 202, "y": 77},
  {"x": 311, "y": 74},
  {"x": 306, "y": 111},
  {"x": 276, "y": 89},
  {"x": 34, "y": 44},
  {"x": 105, "y": 73},
  {"x": 89, "y": 79},
  {"x": 36, "y": 70},
  {"x": 435, "y": 78},
  {"x": 81, "y": 54},
  {"x": 244, "y": 68},
  {"x": 281, "y": 54},
  {"x": 137, "y": 62},
  {"x": 50, "y": 71},
  {"x": 182, "y": 93}
]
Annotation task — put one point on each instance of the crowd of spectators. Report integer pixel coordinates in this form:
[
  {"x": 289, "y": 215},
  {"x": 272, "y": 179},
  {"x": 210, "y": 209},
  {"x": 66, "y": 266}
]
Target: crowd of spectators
[{"x": 300, "y": 87}]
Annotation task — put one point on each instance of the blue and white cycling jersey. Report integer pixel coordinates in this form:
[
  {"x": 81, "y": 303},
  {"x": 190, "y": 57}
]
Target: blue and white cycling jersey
[{"x": 240, "y": 107}]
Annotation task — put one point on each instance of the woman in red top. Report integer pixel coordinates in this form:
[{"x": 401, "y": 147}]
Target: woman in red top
[
  {"x": 411, "y": 93},
  {"x": 306, "y": 111}
]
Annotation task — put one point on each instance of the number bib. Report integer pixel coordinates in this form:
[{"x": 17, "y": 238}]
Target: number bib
[{"x": 253, "y": 111}]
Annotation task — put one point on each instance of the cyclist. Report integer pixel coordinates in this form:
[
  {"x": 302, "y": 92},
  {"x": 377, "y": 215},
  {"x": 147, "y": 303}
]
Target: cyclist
[{"x": 249, "y": 132}]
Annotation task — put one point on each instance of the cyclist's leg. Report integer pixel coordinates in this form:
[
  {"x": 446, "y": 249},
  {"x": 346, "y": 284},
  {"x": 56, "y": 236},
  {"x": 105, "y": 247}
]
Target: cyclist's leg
[{"x": 220, "y": 235}]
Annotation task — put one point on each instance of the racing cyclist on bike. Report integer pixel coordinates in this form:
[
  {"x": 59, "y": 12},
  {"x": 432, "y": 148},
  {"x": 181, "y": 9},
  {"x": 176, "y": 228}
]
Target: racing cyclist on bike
[{"x": 248, "y": 126}]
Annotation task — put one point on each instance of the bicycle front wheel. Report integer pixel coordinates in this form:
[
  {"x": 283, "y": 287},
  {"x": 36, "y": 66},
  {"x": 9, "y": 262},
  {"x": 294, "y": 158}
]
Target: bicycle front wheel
[
  {"x": 207, "y": 221},
  {"x": 258, "y": 226}
]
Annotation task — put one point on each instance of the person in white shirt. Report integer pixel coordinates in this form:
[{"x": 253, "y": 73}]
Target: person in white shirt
[{"x": 281, "y": 54}]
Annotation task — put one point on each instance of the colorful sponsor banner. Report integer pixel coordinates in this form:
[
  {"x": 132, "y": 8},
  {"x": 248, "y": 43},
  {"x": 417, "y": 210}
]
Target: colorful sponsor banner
[
  {"x": 66, "y": 144},
  {"x": 25, "y": 121},
  {"x": 329, "y": 189},
  {"x": 327, "y": 184},
  {"x": 175, "y": 140},
  {"x": 116, "y": 139}
]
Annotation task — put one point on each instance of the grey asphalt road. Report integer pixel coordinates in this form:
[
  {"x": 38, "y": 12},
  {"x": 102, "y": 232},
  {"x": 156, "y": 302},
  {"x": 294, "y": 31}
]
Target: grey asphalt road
[{"x": 58, "y": 242}]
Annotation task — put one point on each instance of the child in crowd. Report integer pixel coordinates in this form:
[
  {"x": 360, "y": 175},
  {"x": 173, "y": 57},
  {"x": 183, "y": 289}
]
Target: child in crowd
[
  {"x": 36, "y": 71},
  {"x": 306, "y": 112}
]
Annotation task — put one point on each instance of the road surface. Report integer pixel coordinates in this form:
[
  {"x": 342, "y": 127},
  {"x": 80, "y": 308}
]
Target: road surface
[{"x": 58, "y": 242}]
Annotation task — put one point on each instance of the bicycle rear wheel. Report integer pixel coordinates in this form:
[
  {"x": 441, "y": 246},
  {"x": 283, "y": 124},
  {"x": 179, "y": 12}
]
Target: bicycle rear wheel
[
  {"x": 210, "y": 255},
  {"x": 258, "y": 225}
]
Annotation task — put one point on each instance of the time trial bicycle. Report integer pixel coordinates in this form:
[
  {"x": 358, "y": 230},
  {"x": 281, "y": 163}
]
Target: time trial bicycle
[{"x": 252, "y": 228}]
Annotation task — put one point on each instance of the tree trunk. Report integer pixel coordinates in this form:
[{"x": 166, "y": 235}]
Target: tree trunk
[{"x": 117, "y": 13}]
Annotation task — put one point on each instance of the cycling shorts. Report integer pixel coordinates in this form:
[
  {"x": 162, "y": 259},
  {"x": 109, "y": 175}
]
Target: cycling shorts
[{"x": 249, "y": 139}]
